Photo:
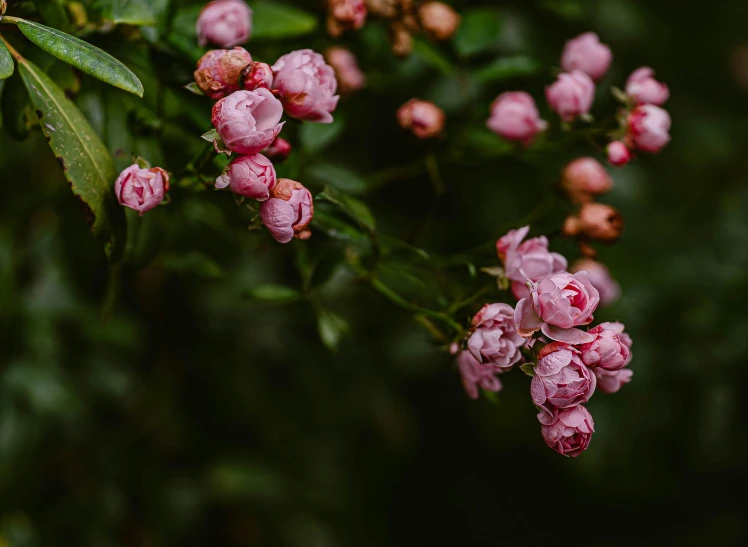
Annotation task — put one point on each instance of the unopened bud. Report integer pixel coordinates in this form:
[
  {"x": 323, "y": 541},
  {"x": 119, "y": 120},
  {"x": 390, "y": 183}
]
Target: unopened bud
[
  {"x": 401, "y": 40},
  {"x": 278, "y": 150},
  {"x": 595, "y": 222},
  {"x": 256, "y": 75},
  {"x": 344, "y": 63},
  {"x": 585, "y": 178},
  {"x": 345, "y": 15},
  {"x": 618, "y": 154},
  {"x": 288, "y": 212},
  {"x": 422, "y": 118},
  {"x": 218, "y": 71},
  {"x": 439, "y": 20}
]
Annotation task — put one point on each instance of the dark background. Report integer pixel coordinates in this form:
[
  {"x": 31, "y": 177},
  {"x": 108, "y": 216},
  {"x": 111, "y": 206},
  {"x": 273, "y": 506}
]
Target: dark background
[{"x": 199, "y": 416}]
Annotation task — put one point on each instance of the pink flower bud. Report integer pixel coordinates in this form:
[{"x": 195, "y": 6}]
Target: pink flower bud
[
  {"x": 515, "y": 117},
  {"x": 600, "y": 278},
  {"x": 248, "y": 121},
  {"x": 644, "y": 89},
  {"x": 218, "y": 71},
  {"x": 257, "y": 75},
  {"x": 494, "y": 338},
  {"x": 307, "y": 86},
  {"x": 225, "y": 23},
  {"x": 476, "y": 375},
  {"x": 648, "y": 127},
  {"x": 585, "y": 178},
  {"x": 345, "y": 15},
  {"x": 349, "y": 75},
  {"x": 611, "y": 382},
  {"x": 288, "y": 212},
  {"x": 249, "y": 176},
  {"x": 439, "y": 20},
  {"x": 595, "y": 222},
  {"x": 571, "y": 95},
  {"x": 586, "y": 53},
  {"x": 141, "y": 189},
  {"x": 422, "y": 118},
  {"x": 279, "y": 149},
  {"x": 610, "y": 350},
  {"x": 561, "y": 380},
  {"x": 618, "y": 153},
  {"x": 567, "y": 431}
]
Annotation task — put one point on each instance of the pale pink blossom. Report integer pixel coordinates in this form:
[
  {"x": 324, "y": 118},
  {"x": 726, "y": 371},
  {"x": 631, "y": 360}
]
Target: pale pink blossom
[
  {"x": 584, "y": 179},
  {"x": 475, "y": 374},
  {"x": 225, "y": 23},
  {"x": 494, "y": 337},
  {"x": 141, "y": 189},
  {"x": 618, "y": 153},
  {"x": 288, "y": 212},
  {"x": 561, "y": 379},
  {"x": 600, "y": 278},
  {"x": 610, "y": 350},
  {"x": 571, "y": 95},
  {"x": 307, "y": 86},
  {"x": 567, "y": 431},
  {"x": 248, "y": 121},
  {"x": 344, "y": 63},
  {"x": 611, "y": 382},
  {"x": 644, "y": 89},
  {"x": 649, "y": 127},
  {"x": 587, "y": 54},
  {"x": 251, "y": 176},
  {"x": 515, "y": 117}
]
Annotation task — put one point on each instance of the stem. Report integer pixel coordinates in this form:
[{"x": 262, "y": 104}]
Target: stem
[
  {"x": 400, "y": 301},
  {"x": 7, "y": 19},
  {"x": 432, "y": 166}
]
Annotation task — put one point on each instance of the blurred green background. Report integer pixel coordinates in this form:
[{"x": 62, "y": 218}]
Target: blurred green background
[{"x": 244, "y": 393}]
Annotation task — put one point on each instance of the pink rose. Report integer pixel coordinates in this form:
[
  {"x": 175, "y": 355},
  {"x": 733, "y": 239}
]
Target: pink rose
[
  {"x": 141, "y": 189},
  {"x": 249, "y": 176},
  {"x": 344, "y": 63},
  {"x": 248, "y": 121},
  {"x": 515, "y": 117},
  {"x": 587, "y": 54},
  {"x": 494, "y": 338},
  {"x": 618, "y": 153},
  {"x": 649, "y": 127},
  {"x": 584, "y": 179},
  {"x": 279, "y": 149},
  {"x": 567, "y": 431},
  {"x": 571, "y": 95},
  {"x": 556, "y": 305},
  {"x": 218, "y": 71},
  {"x": 561, "y": 380},
  {"x": 423, "y": 118},
  {"x": 609, "y": 350},
  {"x": 595, "y": 222},
  {"x": 439, "y": 20},
  {"x": 527, "y": 261},
  {"x": 257, "y": 75},
  {"x": 225, "y": 23},
  {"x": 307, "y": 86},
  {"x": 644, "y": 89},
  {"x": 476, "y": 375},
  {"x": 600, "y": 278},
  {"x": 611, "y": 382},
  {"x": 288, "y": 212},
  {"x": 345, "y": 15}
]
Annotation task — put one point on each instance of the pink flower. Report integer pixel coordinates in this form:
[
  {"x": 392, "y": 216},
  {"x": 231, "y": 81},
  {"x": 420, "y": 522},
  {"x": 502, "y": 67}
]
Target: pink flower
[
  {"x": 556, "y": 305},
  {"x": 248, "y": 121},
  {"x": 249, "y": 176},
  {"x": 515, "y": 117},
  {"x": 257, "y": 75},
  {"x": 567, "y": 431},
  {"x": 595, "y": 222},
  {"x": 561, "y": 380},
  {"x": 439, "y": 20},
  {"x": 649, "y": 127},
  {"x": 494, "y": 338},
  {"x": 600, "y": 278},
  {"x": 584, "y": 179},
  {"x": 288, "y": 212},
  {"x": 527, "y": 261},
  {"x": 644, "y": 89},
  {"x": 618, "y": 153},
  {"x": 344, "y": 63},
  {"x": 279, "y": 149},
  {"x": 141, "y": 189},
  {"x": 307, "y": 85},
  {"x": 571, "y": 95},
  {"x": 225, "y": 23},
  {"x": 609, "y": 350},
  {"x": 423, "y": 118},
  {"x": 218, "y": 71},
  {"x": 476, "y": 375},
  {"x": 345, "y": 15},
  {"x": 586, "y": 53},
  {"x": 611, "y": 382}
]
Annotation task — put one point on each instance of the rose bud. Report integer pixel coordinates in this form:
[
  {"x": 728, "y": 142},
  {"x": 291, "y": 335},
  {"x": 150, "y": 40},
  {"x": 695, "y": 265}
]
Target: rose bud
[
  {"x": 225, "y": 23},
  {"x": 279, "y": 149},
  {"x": 476, "y": 375},
  {"x": 345, "y": 15},
  {"x": 595, "y": 222},
  {"x": 609, "y": 350},
  {"x": 288, "y": 212},
  {"x": 249, "y": 176},
  {"x": 349, "y": 75},
  {"x": 618, "y": 153},
  {"x": 218, "y": 71},
  {"x": 248, "y": 121},
  {"x": 587, "y": 54},
  {"x": 567, "y": 431},
  {"x": 515, "y": 117},
  {"x": 257, "y": 75},
  {"x": 648, "y": 127},
  {"x": 556, "y": 305},
  {"x": 386, "y": 9},
  {"x": 644, "y": 89},
  {"x": 527, "y": 261},
  {"x": 600, "y": 278},
  {"x": 571, "y": 95},
  {"x": 561, "y": 380},
  {"x": 422, "y": 118},
  {"x": 307, "y": 86},
  {"x": 611, "y": 382},
  {"x": 438, "y": 20},
  {"x": 584, "y": 179},
  {"x": 141, "y": 189},
  {"x": 494, "y": 338},
  {"x": 401, "y": 40}
]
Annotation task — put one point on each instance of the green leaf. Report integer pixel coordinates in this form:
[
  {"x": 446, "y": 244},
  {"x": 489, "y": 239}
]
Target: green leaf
[
  {"x": 318, "y": 136},
  {"x": 507, "y": 67},
  {"x": 337, "y": 176},
  {"x": 274, "y": 293},
  {"x": 6, "y": 62},
  {"x": 528, "y": 368},
  {"x": 273, "y": 20},
  {"x": 431, "y": 55},
  {"x": 129, "y": 12},
  {"x": 83, "y": 157},
  {"x": 479, "y": 31},
  {"x": 82, "y": 55},
  {"x": 354, "y": 208},
  {"x": 193, "y": 262},
  {"x": 331, "y": 328}
]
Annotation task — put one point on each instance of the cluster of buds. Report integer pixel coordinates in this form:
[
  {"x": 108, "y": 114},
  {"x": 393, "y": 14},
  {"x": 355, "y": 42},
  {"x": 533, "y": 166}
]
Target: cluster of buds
[{"x": 546, "y": 332}]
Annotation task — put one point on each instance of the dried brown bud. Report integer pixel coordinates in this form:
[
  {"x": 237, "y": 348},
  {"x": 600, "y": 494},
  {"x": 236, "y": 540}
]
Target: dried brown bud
[
  {"x": 439, "y": 20},
  {"x": 595, "y": 222},
  {"x": 382, "y": 8},
  {"x": 345, "y": 15},
  {"x": 401, "y": 40}
]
